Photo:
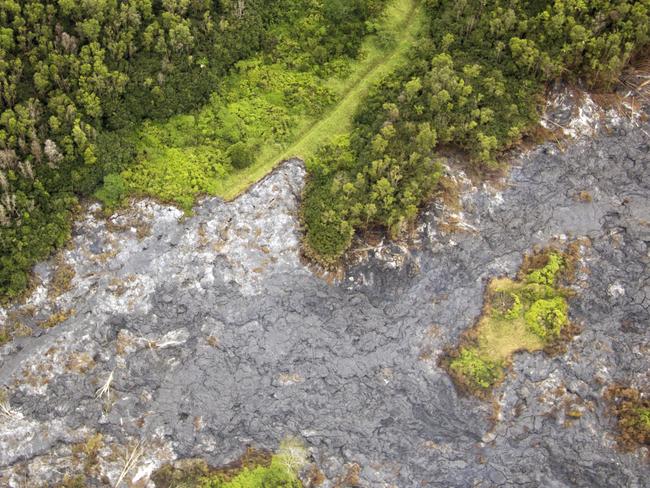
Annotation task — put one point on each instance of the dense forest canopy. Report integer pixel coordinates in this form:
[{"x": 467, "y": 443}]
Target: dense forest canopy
[
  {"x": 73, "y": 74},
  {"x": 473, "y": 83},
  {"x": 70, "y": 69},
  {"x": 83, "y": 83}
]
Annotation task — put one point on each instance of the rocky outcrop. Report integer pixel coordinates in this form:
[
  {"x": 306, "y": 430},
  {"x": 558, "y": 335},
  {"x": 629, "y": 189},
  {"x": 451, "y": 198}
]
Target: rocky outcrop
[{"x": 214, "y": 335}]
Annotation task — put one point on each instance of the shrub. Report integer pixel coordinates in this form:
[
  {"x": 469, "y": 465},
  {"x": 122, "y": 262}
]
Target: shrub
[
  {"x": 548, "y": 274},
  {"x": 632, "y": 409},
  {"x": 546, "y": 317},
  {"x": 113, "y": 192},
  {"x": 328, "y": 239},
  {"x": 479, "y": 372},
  {"x": 241, "y": 155}
]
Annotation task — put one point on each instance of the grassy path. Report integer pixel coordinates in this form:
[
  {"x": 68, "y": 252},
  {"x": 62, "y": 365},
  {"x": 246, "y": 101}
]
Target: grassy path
[{"x": 403, "y": 20}]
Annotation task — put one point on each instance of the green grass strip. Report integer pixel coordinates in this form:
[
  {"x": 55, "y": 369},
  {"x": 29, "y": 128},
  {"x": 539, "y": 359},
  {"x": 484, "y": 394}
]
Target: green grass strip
[{"x": 403, "y": 19}]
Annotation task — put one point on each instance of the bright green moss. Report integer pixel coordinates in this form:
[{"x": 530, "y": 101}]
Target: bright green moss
[
  {"x": 478, "y": 371},
  {"x": 255, "y": 469},
  {"x": 547, "y": 274},
  {"x": 545, "y": 318},
  {"x": 274, "y": 476},
  {"x": 526, "y": 314}
]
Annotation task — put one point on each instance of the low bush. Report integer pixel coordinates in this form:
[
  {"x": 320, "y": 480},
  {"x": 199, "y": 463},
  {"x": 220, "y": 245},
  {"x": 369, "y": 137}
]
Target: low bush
[
  {"x": 526, "y": 314},
  {"x": 113, "y": 192},
  {"x": 632, "y": 410},
  {"x": 241, "y": 155},
  {"x": 478, "y": 372},
  {"x": 545, "y": 318},
  {"x": 274, "y": 476}
]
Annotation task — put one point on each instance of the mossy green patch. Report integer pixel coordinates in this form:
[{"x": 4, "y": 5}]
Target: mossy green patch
[
  {"x": 529, "y": 313},
  {"x": 547, "y": 274},
  {"x": 275, "y": 475},
  {"x": 643, "y": 415},
  {"x": 545, "y": 318},
  {"x": 255, "y": 469},
  {"x": 478, "y": 371}
]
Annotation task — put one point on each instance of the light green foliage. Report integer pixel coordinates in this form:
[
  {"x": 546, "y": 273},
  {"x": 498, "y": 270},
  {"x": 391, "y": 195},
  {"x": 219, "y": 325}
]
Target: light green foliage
[
  {"x": 256, "y": 111},
  {"x": 516, "y": 309},
  {"x": 518, "y": 316},
  {"x": 480, "y": 372},
  {"x": 281, "y": 473},
  {"x": 172, "y": 173},
  {"x": 274, "y": 476},
  {"x": 547, "y": 274},
  {"x": 69, "y": 72},
  {"x": 545, "y": 318},
  {"x": 644, "y": 417},
  {"x": 189, "y": 155}
]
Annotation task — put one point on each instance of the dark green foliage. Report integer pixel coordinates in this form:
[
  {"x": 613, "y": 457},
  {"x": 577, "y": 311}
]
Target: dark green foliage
[
  {"x": 473, "y": 84},
  {"x": 43, "y": 223},
  {"x": 241, "y": 155},
  {"x": 113, "y": 191},
  {"x": 76, "y": 78},
  {"x": 577, "y": 39},
  {"x": 356, "y": 186},
  {"x": 316, "y": 33}
]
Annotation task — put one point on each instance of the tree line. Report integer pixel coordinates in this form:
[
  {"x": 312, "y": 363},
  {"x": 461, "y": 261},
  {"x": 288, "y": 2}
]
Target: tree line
[
  {"x": 77, "y": 75},
  {"x": 473, "y": 83}
]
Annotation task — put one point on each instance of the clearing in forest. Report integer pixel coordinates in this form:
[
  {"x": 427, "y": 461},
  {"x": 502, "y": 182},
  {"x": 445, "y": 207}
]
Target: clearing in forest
[
  {"x": 265, "y": 112},
  {"x": 402, "y": 22}
]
